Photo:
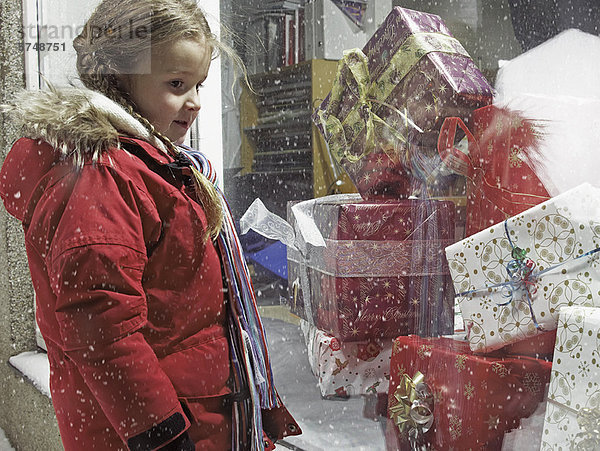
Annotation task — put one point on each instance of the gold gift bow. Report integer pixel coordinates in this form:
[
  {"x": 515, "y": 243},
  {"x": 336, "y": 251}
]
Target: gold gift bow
[
  {"x": 355, "y": 63},
  {"x": 413, "y": 413},
  {"x": 588, "y": 419}
]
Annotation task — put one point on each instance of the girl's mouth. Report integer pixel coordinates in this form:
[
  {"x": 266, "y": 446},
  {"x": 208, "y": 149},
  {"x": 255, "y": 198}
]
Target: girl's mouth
[{"x": 183, "y": 124}]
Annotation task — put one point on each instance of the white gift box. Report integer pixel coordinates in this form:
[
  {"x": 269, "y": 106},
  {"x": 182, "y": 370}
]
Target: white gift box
[
  {"x": 347, "y": 368},
  {"x": 513, "y": 278},
  {"x": 573, "y": 409}
]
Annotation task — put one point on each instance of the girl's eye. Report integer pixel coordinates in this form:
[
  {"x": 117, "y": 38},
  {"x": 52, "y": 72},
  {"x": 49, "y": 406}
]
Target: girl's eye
[{"x": 177, "y": 83}]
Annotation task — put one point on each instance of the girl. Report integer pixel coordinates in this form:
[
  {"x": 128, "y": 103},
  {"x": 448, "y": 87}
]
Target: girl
[{"x": 151, "y": 326}]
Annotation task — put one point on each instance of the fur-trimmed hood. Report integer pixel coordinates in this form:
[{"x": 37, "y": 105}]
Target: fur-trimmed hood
[
  {"x": 79, "y": 123},
  {"x": 73, "y": 125}
]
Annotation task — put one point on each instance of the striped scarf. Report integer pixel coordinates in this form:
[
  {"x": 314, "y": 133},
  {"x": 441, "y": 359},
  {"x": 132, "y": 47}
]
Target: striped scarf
[{"x": 249, "y": 355}]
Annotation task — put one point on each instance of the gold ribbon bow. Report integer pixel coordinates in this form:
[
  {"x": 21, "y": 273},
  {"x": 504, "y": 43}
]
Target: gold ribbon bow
[
  {"x": 589, "y": 422},
  {"x": 413, "y": 412},
  {"x": 354, "y": 83}
]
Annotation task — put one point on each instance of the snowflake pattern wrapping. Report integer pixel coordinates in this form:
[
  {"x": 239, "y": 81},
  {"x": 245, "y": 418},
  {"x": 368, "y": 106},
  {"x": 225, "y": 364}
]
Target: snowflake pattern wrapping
[
  {"x": 476, "y": 399},
  {"x": 575, "y": 382},
  {"x": 559, "y": 238}
]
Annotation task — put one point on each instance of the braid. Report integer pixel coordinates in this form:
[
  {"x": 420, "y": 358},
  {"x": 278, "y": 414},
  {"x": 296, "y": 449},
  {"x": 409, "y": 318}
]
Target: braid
[{"x": 205, "y": 190}]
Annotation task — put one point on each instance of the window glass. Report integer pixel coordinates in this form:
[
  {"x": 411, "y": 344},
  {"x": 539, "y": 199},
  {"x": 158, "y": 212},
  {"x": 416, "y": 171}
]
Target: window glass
[{"x": 443, "y": 228}]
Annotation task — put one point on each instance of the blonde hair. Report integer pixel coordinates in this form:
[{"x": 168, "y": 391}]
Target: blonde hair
[{"x": 119, "y": 33}]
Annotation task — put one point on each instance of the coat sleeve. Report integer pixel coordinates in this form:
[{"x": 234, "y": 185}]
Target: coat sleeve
[{"x": 95, "y": 264}]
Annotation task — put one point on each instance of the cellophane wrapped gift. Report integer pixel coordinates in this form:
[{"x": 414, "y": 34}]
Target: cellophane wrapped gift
[
  {"x": 444, "y": 397},
  {"x": 573, "y": 410},
  {"x": 513, "y": 278},
  {"x": 382, "y": 273},
  {"x": 503, "y": 148},
  {"x": 346, "y": 369},
  {"x": 382, "y": 118}
]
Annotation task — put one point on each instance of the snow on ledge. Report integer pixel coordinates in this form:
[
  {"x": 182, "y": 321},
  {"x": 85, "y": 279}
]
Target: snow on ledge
[
  {"x": 34, "y": 366},
  {"x": 4, "y": 443}
]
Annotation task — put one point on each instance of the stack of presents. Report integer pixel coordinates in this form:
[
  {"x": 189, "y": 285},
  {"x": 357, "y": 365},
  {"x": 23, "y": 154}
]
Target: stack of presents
[{"x": 408, "y": 118}]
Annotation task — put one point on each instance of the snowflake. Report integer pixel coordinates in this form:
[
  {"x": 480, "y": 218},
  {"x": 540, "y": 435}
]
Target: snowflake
[
  {"x": 499, "y": 369},
  {"x": 460, "y": 362},
  {"x": 493, "y": 422},
  {"x": 424, "y": 351},
  {"x": 584, "y": 369},
  {"x": 370, "y": 372},
  {"x": 532, "y": 382},
  {"x": 455, "y": 427},
  {"x": 514, "y": 158},
  {"x": 469, "y": 390},
  {"x": 401, "y": 371},
  {"x": 499, "y": 127},
  {"x": 516, "y": 123},
  {"x": 486, "y": 303}
]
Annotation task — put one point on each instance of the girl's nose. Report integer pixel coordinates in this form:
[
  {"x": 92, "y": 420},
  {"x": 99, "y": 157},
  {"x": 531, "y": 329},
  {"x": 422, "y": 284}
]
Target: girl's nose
[{"x": 193, "y": 100}]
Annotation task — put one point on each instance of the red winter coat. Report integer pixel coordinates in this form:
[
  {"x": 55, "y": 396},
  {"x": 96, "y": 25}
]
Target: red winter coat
[{"x": 129, "y": 299}]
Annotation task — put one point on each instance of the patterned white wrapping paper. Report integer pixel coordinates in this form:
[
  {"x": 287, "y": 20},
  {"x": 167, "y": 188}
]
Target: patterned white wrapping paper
[
  {"x": 347, "y": 368},
  {"x": 557, "y": 236},
  {"x": 573, "y": 408}
]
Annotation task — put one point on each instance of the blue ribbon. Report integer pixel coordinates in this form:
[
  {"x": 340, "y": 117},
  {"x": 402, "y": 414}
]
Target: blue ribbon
[{"x": 521, "y": 275}]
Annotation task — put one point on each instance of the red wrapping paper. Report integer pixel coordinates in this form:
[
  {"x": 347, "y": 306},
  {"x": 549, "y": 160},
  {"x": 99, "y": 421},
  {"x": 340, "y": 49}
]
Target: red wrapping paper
[
  {"x": 501, "y": 182},
  {"x": 476, "y": 399},
  {"x": 539, "y": 346},
  {"x": 384, "y": 272}
]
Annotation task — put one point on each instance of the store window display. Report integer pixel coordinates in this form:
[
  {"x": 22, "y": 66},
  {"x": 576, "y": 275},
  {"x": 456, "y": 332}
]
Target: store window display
[{"x": 425, "y": 249}]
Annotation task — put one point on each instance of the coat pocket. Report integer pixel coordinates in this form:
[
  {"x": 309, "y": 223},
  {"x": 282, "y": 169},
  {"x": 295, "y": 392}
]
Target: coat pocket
[{"x": 201, "y": 370}]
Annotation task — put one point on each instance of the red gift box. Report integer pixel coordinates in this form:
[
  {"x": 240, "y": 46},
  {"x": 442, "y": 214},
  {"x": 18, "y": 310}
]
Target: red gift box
[
  {"x": 540, "y": 346},
  {"x": 501, "y": 182},
  {"x": 383, "y": 272},
  {"x": 474, "y": 399}
]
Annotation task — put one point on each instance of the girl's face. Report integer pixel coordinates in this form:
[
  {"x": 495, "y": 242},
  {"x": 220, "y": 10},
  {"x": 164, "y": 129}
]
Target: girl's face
[{"x": 168, "y": 97}]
